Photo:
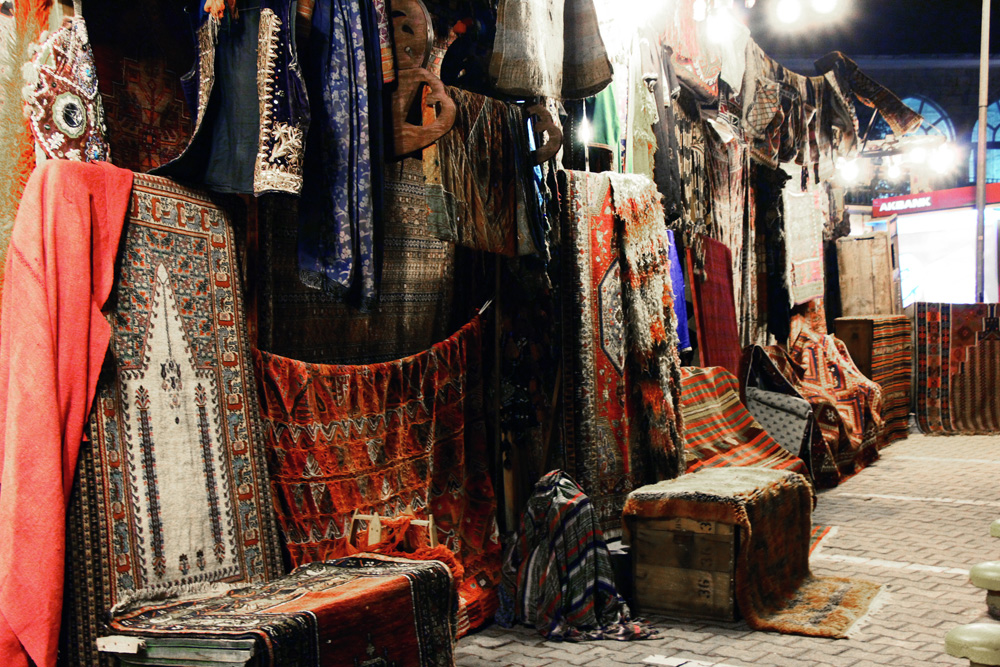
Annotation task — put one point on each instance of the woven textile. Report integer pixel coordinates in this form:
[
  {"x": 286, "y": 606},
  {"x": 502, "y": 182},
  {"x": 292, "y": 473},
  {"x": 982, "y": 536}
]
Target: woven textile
[
  {"x": 846, "y": 404},
  {"x": 649, "y": 315},
  {"x": 680, "y": 304},
  {"x": 804, "y": 238},
  {"x": 321, "y": 614},
  {"x": 416, "y": 291},
  {"x": 714, "y": 307},
  {"x": 602, "y": 446},
  {"x": 718, "y": 430},
  {"x": 479, "y": 172},
  {"x": 892, "y": 359},
  {"x": 380, "y": 439},
  {"x": 901, "y": 118},
  {"x": 787, "y": 419},
  {"x": 172, "y": 489},
  {"x": 956, "y": 364},
  {"x": 549, "y": 48},
  {"x": 775, "y": 589},
  {"x": 559, "y": 575}
]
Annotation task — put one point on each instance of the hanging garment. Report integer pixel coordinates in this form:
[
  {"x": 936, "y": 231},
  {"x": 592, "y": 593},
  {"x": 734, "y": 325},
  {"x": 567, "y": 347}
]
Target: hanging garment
[
  {"x": 680, "y": 304},
  {"x": 666, "y": 161},
  {"x": 53, "y": 339},
  {"x": 768, "y": 185},
  {"x": 640, "y": 140},
  {"x": 549, "y": 48},
  {"x": 558, "y": 575},
  {"x": 238, "y": 146},
  {"x": 336, "y": 246}
]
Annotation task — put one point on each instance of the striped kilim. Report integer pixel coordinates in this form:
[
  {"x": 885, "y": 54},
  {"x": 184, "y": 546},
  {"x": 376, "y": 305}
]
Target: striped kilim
[
  {"x": 718, "y": 429},
  {"x": 958, "y": 367},
  {"x": 892, "y": 361}
]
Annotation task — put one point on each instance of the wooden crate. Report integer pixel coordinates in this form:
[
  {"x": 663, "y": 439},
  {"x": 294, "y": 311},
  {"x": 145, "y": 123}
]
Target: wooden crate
[
  {"x": 869, "y": 275},
  {"x": 684, "y": 567},
  {"x": 857, "y": 334}
]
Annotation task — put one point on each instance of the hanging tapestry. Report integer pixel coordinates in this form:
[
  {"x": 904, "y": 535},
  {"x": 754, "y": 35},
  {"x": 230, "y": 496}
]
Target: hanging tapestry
[
  {"x": 385, "y": 438},
  {"x": 416, "y": 290},
  {"x": 697, "y": 197},
  {"x": 698, "y": 67},
  {"x": 892, "y": 357},
  {"x": 549, "y": 48},
  {"x": 476, "y": 174},
  {"x": 775, "y": 589},
  {"x": 178, "y": 410},
  {"x": 62, "y": 103},
  {"x": 649, "y": 320},
  {"x": 321, "y": 614},
  {"x": 718, "y": 429},
  {"x": 768, "y": 185},
  {"x": 602, "y": 446},
  {"x": 336, "y": 246},
  {"x": 804, "y": 238},
  {"x": 236, "y": 146},
  {"x": 957, "y": 374},
  {"x": 558, "y": 575},
  {"x": 714, "y": 308}
]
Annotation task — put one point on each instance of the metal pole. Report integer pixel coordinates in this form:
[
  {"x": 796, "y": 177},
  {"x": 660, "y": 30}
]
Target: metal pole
[{"x": 984, "y": 76}]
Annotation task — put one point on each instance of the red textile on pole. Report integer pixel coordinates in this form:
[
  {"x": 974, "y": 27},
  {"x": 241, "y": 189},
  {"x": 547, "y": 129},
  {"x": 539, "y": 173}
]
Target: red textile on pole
[{"x": 53, "y": 338}]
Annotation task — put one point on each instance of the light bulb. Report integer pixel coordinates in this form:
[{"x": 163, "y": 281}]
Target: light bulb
[
  {"x": 788, "y": 11},
  {"x": 719, "y": 27},
  {"x": 849, "y": 170},
  {"x": 824, "y": 6},
  {"x": 585, "y": 131},
  {"x": 750, "y": 3},
  {"x": 700, "y": 10},
  {"x": 894, "y": 171},
  {"x": 918, "y": 155},
  {"x": 944, "y": 159}
]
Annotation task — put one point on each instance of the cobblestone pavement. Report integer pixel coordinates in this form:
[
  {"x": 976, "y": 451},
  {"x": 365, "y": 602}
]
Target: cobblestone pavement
[{"x": 916, "y": 520}]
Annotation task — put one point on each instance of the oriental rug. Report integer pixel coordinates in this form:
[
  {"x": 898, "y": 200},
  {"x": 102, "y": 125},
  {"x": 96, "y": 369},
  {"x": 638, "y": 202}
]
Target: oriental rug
[
  {"x": 718, "y": 429},
  {"x": 775, "y": 589},
  {"x": 558, "y": 575},
  {"x": 891, "y": 361},
  {"x": 603, "y": 447},
  {"x": 650, "y": 331},
  {"x": 322, "y": 614},
  {"x": 172, "y": 494},
  {"x": 957, "y": 348},
  {"x": 715, "y": 308},
  {"x": 846, "y": 404},
  {"x": 415, "y": 293},
  {"x": 386, "y": 438}
]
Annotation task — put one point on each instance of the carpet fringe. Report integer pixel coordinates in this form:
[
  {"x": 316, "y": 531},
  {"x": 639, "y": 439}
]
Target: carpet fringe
[
  {"x": 174, "y": 593},
  {"x": 881, "y": 599}
]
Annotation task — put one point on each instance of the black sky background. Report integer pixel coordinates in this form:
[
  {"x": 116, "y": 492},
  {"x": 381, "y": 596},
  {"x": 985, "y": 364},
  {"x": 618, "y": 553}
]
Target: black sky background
[{"x": 882, "y": 27}]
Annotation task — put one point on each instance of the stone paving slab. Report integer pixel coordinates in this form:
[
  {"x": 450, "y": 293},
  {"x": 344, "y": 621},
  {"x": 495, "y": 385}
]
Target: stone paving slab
[{"x": 915, "y": 521}]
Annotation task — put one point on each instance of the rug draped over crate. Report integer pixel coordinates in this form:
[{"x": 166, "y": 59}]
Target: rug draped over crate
[
  {"x": 302, "y": 620},
  {"x": 958, "y": 377},
  {"x": 383, "y": 439},
  {"x": 718, "y": 430},
  {"x": 171, "y": 495},
  {"x": 775, "y": 589},
  {"x": 846, "y": 404}
]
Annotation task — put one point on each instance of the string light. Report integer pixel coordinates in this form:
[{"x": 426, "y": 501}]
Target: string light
[
  {"x": 788, "y": 11},
  {"x": 824, "y": 6}
]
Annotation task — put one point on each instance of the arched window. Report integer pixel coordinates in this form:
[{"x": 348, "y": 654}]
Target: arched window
[
  {"x": 992, "y": 145},
  {"x": 936, "y": 121}
]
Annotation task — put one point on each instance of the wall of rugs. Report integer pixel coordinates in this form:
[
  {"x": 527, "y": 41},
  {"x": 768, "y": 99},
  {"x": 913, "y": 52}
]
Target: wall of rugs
[{"x": 466, "y": 244}]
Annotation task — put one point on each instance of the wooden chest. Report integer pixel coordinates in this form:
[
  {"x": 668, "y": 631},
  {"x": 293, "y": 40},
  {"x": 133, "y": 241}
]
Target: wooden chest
[
  {"x": 869, "y": 274},
  {"x": 684, "y": 567}
]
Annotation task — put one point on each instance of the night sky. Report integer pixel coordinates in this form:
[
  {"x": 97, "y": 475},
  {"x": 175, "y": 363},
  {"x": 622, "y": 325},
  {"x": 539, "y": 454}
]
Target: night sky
[{"x": 882, "y": 27}]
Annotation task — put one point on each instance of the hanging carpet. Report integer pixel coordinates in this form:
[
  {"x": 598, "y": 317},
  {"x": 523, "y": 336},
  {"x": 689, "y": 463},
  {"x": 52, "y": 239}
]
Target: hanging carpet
[
  {"x": 957, "y": 372},
  {"x": 715, "y": 308},
  {"x": 172, "y": 495},
  {"x": 385, "y": 438},
  {"x": 775, "y": 589},
  {"x": 718, "y": 429},
  {"x": 321, "y": 614},
  {"x": 804, "y": 239}
]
